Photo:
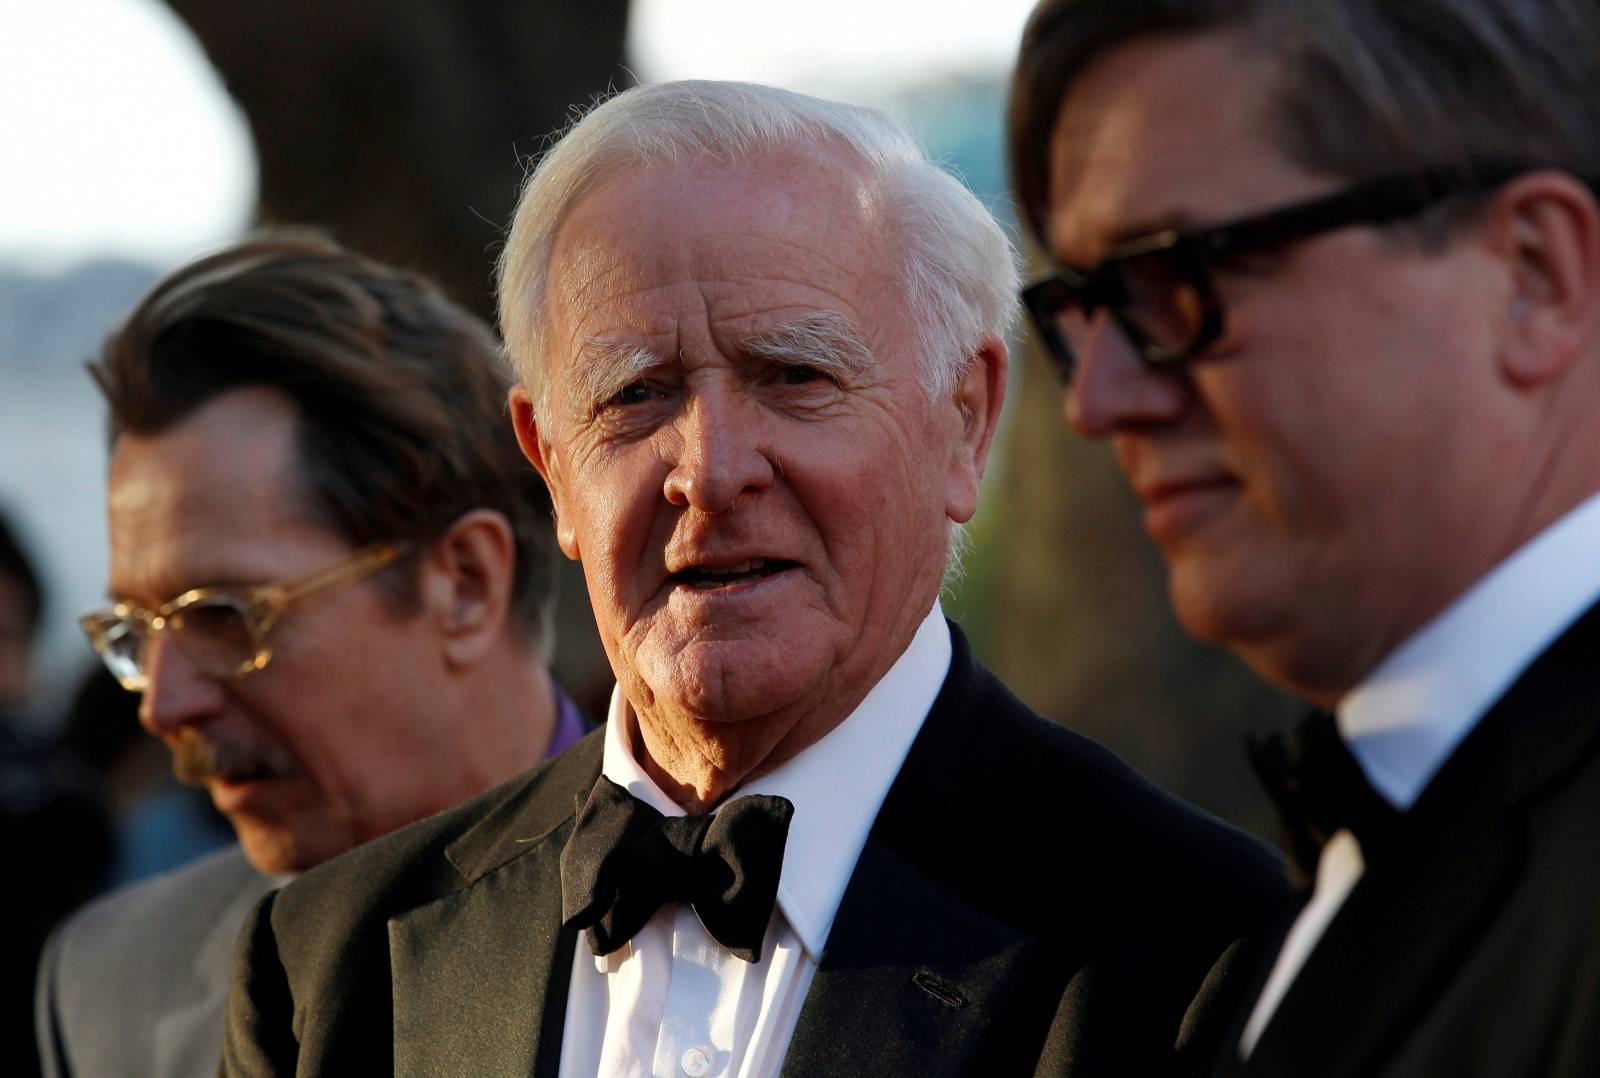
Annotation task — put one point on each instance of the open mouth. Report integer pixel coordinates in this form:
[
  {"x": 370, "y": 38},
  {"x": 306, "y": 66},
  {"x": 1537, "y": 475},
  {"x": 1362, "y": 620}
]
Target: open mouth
[
  {"x": 706, "y": 578},
  {"x": 237, "y": 775}
]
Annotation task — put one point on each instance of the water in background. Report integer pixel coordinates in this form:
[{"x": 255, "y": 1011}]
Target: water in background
[{"x": 52, "y": 445}]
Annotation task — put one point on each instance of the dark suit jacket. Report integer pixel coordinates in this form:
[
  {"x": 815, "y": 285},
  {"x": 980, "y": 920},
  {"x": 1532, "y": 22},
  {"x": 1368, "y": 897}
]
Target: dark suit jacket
[
  {"x": 132, "y": 985},
  {"x": 1023, "y": 895},
  {"x": 1471, "y": 945}
]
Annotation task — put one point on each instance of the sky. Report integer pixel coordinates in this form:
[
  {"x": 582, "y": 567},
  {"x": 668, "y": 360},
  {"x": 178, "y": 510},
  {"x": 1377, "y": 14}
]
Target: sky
[{"x": 118, "y": 139}]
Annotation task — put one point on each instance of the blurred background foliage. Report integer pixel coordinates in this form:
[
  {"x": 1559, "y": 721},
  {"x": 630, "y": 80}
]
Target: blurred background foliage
[{"x": 404, "y": 129}]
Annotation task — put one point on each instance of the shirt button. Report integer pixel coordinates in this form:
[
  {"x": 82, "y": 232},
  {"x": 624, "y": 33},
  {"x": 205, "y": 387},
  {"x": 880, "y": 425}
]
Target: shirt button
[{"x": 696, "y": 1063}]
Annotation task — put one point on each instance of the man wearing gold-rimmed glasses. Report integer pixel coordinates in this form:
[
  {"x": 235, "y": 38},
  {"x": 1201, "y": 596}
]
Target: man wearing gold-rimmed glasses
[{"x": 330, "y": 582}]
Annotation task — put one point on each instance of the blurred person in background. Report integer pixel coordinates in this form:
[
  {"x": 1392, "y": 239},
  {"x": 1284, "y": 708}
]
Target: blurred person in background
[
  {"x": 331, "y": 584},
  {"x": 1329, "y": 284},
  {"x": 158, "y": 822},
  {"x": 21, "y": 606},
  {"x": 761, "y": 346},
  {"x": 49, "y": 805}
]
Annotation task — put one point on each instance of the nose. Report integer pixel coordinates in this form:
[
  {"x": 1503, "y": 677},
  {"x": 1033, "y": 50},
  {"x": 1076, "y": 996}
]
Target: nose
[
  {"x": 176, "y": 694},
  {"x": 1113, "y": 389},
  {"x": 719, "y": 459}
]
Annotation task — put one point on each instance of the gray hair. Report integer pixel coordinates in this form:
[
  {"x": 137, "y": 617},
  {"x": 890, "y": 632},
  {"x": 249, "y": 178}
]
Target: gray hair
[
  {"x": 958, "y": 271},
  {"x": 1361, "y": 86}
]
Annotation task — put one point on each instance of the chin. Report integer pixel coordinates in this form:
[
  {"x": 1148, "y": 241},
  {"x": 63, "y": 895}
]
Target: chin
[
  {"x": 269, "y": 850},
  {"x": 1270, "y": 636},
  {"x": 1237, "y": 610},
  {"x": 730, "y": 681},
  {"x": 275, "y": 850}
]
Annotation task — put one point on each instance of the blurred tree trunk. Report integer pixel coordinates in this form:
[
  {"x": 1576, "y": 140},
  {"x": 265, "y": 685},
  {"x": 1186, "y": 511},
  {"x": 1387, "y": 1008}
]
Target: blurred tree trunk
[
  {"x": 403, "y": 129},
  {"x": 1081, "y": 628}
]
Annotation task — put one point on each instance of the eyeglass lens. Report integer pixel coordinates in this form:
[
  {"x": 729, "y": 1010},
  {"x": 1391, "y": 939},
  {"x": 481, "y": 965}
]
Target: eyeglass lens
[
  {"x": 1164, "y": 309},
  {"x": 1155, "y": 298},
  {"x": 215, "y": 634}
]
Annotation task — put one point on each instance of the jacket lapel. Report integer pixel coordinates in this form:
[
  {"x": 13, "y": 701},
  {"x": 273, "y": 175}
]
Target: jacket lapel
[
  {"x": 1415, "y": 917},
  {"x": 911, "y": 980},
  {"x": 917, "y": 973},
  {"x": 1387, "y": 955},
  {"x": 502, "y": 929},
  {"x": 186, "y": 1040}
]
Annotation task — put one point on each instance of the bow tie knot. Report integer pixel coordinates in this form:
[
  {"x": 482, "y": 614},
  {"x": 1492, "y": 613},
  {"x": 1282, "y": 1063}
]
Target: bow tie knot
[
  {"x": 625, "y": 860},
  {"x": 1319, "y": 788}
]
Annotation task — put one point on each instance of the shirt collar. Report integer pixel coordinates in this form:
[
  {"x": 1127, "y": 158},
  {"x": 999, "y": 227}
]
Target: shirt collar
[
  {"x": 837, "y": 785},
  {"x": 1406, "y": 717}
]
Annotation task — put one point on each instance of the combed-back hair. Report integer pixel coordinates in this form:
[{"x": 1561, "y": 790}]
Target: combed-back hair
[
  {"x": 957, "y": 269},
  {"x": 1354, "y": 87},
  {"x": 400, "y": 393}
]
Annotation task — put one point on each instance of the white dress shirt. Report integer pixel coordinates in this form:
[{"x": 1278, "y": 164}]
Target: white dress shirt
[
  {"x": 672, "y": 1001},
  {"x": 1404, "y": 719}
]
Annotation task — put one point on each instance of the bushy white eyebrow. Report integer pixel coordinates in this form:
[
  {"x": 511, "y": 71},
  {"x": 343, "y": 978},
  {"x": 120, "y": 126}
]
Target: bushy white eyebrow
[
  {"x": 605, "y": 367},
  {"x": 824, "y": 340}
]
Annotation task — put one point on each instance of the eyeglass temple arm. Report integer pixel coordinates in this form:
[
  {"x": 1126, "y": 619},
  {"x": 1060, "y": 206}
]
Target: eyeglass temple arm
[
  {"x": 368, "y": 559},
  {"x": 1386, "y": 198}
]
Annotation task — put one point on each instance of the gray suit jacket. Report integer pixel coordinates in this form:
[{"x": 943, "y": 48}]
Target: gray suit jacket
[{"x": 132, "y": 985}]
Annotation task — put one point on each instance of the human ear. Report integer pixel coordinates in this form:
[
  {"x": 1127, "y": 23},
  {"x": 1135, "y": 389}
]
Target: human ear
[
  {"x": 466, "y": 581},
  {"x": 1546, "y": 227},
  {"x": 537, "y": 449},
  {"x": 978, "y": 396}
]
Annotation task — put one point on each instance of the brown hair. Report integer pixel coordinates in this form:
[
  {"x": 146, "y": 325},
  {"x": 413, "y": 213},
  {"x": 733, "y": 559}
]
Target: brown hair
[
  {"x": 1356, "y": 87},
  {"x": 401, "y": 393}
]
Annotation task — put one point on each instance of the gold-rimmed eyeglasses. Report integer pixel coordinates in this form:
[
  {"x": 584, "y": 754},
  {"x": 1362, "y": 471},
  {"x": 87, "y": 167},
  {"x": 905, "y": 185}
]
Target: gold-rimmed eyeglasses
[{"x": 222, "y": 631}]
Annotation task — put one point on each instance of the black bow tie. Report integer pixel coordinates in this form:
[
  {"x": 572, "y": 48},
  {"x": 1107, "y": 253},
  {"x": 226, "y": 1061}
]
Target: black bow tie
[
  {"x": 625, "y": 860},
  {"x": 1319, "y": 788}
]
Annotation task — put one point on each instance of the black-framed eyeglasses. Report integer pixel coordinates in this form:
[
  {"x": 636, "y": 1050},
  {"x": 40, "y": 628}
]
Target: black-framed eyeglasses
[
  {"x": 1159, "y": 289},
  {"x": 222, "y": 631}
]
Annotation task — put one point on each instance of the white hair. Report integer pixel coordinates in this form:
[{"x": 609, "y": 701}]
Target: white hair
[{"x": 957, "y": 270}]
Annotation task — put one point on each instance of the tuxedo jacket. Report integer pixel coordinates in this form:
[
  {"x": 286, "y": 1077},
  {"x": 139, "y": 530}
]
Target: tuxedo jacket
[
  {"x": 1470, "y": 947},
  {"x": 1024, "y": 901},
  {"x": 132, "y": 985}
]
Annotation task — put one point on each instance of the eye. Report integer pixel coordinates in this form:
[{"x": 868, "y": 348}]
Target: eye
[
  {"x": 791, "y": 375},
  {"x": 636, "y": 393}
]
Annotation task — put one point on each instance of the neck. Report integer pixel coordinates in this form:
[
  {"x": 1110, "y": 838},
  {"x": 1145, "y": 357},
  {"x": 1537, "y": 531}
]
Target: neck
[
  {"x": 512, "y": 714},
  {"x": 698, "y": 762}
]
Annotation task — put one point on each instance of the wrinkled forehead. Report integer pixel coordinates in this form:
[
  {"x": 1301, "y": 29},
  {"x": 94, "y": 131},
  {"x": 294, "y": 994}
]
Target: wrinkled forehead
[
  {"x": 783, "y": 195},
  {"x": 767, "y": 240}
]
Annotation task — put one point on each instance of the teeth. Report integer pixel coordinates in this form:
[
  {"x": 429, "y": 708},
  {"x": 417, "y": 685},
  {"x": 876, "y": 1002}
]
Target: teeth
[{"x": 739, "y": 569}]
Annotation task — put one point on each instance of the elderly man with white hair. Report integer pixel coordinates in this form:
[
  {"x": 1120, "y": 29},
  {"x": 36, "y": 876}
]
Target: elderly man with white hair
[{"x": 760, "y": 340}]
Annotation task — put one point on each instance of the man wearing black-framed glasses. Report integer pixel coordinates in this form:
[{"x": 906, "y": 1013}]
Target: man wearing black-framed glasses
[
  {"x": 1327, "y": 279},
  {"x": 330, "y": 583}
]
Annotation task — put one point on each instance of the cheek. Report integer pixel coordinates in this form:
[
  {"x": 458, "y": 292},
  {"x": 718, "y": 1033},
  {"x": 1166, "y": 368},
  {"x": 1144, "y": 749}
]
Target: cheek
[{"x": 622, "y": 528}]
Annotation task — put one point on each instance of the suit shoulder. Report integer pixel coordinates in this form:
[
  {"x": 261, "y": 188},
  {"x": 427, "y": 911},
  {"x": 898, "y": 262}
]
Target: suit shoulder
[
  {"x": 111, "y": 972},
  {"x": 183, "y": 902},
  {"x": 417, "y": 863},
  {"x": 1025, "y": 795},
  {"x": 1077, "y": 777}
]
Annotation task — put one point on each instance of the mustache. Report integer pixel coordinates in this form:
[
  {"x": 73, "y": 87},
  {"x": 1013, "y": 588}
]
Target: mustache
[{"x": 198, "y": 758}]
